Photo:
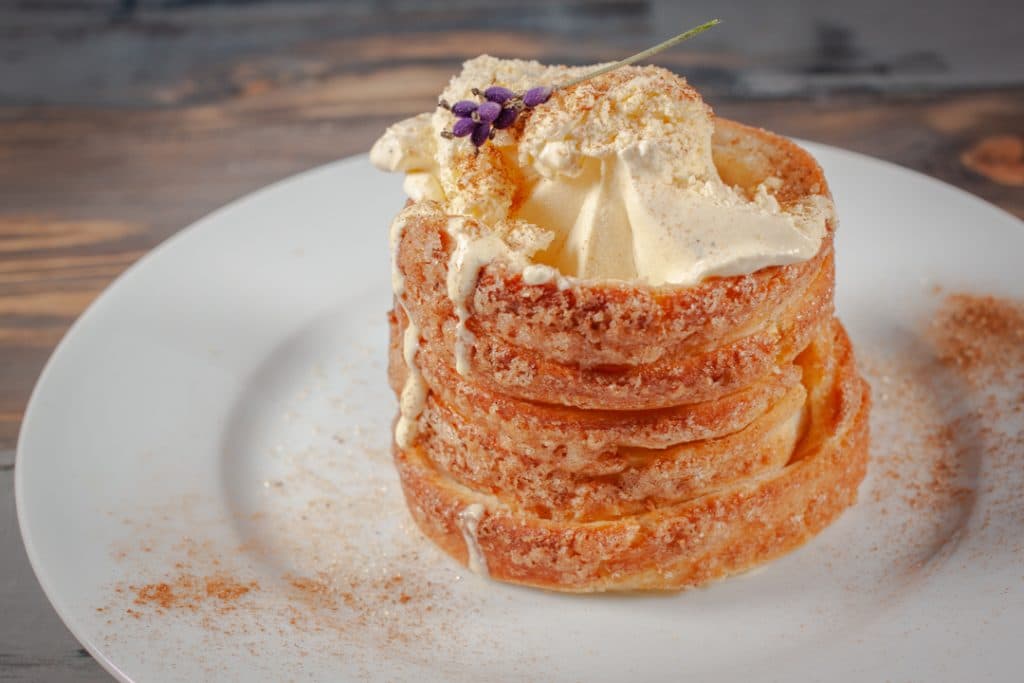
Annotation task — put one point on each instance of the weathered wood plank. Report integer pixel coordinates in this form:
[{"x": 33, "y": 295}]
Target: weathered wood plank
[{"x": 198, "y": 51}]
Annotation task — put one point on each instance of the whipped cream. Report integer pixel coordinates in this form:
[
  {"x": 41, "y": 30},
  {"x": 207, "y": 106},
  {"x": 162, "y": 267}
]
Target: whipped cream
[
  {"x": 468, "y": 521},
  {"x": 618, "y": 217},
  {"x": 618, "y": 171},
  {"x": 414, "y": 393},
  {"x": 408, "y": 147},
  {"x": 469, "y": 256}
]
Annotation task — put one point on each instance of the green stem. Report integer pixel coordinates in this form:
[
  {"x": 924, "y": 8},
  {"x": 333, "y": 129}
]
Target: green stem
[{"x": 686, "y": 35}]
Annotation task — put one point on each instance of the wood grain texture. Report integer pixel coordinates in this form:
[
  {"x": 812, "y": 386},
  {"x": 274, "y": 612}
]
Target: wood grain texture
[
  {"x": 1000, "y": 158},
  {"x": 155, "y": 52}
]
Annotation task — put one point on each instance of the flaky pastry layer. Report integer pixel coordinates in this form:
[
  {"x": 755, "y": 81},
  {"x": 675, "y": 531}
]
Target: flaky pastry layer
[
  {"x": 609, "y": 435},
  {"x": 679, "y": 545}
]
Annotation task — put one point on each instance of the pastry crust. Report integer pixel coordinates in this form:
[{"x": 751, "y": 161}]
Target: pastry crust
[
  {"x": 609, "y": 435},
  {"x": 610, "y": 479},
  {"x": 682, "y": 544}
]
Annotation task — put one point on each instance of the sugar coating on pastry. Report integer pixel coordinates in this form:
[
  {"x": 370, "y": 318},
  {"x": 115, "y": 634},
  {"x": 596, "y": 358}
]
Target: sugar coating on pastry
[{"x": 613, "y": 338}]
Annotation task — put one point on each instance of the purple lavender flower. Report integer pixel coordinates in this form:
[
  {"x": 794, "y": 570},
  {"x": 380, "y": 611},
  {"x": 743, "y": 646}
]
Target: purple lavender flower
[
  {"x": 499, "y": 109},
  {"x": 464, "y": 107},
  {"x": 488, "y": 111},
  {"x": 463, "y": 126},
  {"x": 498, "y": 94},
  {"x": 481, "y": 134},
  {"x": 535, "y": 96},
  {"x": 506, "y": 118}
]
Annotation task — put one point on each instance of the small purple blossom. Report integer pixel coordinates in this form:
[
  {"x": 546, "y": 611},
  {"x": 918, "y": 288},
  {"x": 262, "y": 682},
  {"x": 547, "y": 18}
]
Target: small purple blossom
[
  {"x": 464, "y": 107},
  {"x": 498, "y": 109},
  {"x": 488, "y": 111},
  {"x": 498, "y": 94},
  {"x": 535, "y": 96},
  {"x": 481, "y": 134},
  {"x": 506, "y": 118},
  {"x": 463, "y": 127}
]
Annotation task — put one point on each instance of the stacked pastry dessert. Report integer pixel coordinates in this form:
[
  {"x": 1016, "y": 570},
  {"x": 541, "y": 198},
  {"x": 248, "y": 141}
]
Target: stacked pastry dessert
[{"x": 613, "y": 339}]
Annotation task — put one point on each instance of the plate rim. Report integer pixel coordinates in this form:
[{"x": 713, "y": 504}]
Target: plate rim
[{"x": 24, "y": 438}]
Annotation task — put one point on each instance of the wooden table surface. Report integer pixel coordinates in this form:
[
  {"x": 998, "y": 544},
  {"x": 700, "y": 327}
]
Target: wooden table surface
[{"x": 121, "y": 123}]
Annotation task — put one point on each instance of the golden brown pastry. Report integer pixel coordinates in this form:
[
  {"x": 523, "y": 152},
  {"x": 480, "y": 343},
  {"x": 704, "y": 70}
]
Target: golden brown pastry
[{"x": 595, "y": 394}]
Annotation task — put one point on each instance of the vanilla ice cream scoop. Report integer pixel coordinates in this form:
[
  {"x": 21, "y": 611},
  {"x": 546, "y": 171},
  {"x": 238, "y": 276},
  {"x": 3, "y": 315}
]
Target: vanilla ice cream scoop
[{"x": 618, "y": 169}]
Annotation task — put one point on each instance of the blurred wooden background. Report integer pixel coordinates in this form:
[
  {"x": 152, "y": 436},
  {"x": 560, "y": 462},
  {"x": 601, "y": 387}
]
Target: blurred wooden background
[{"x": 124, "y": 121}]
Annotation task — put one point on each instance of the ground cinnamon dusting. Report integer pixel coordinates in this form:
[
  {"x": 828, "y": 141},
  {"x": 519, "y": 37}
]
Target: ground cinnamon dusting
[
  {"x": 980, "y": 334},
  {"x": 190, "y": 592},
  {"x": 954, "y": 401},
  {"x": 342, "y": 570},
  {"x": 159, "y": 593},
  {"x": 227, "y": 590}
]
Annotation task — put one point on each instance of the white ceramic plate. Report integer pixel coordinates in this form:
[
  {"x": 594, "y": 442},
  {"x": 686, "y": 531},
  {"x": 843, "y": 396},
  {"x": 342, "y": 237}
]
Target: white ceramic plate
[{"x": 221, "y": 414}]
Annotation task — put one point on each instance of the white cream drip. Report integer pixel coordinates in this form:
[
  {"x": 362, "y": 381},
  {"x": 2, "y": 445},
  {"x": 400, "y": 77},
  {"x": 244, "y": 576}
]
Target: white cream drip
[
  {"x": 414, "y": 393},
  {"x": 469, "y": 256},
  {"x": 468, "y": 521},
  {"x": 394, "y": 237},
  {"x": 540, "y": 274}
]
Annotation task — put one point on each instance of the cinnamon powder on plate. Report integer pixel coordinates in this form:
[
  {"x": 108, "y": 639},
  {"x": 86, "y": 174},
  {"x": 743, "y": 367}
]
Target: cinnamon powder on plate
[{"x": 952, "y": 403}]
